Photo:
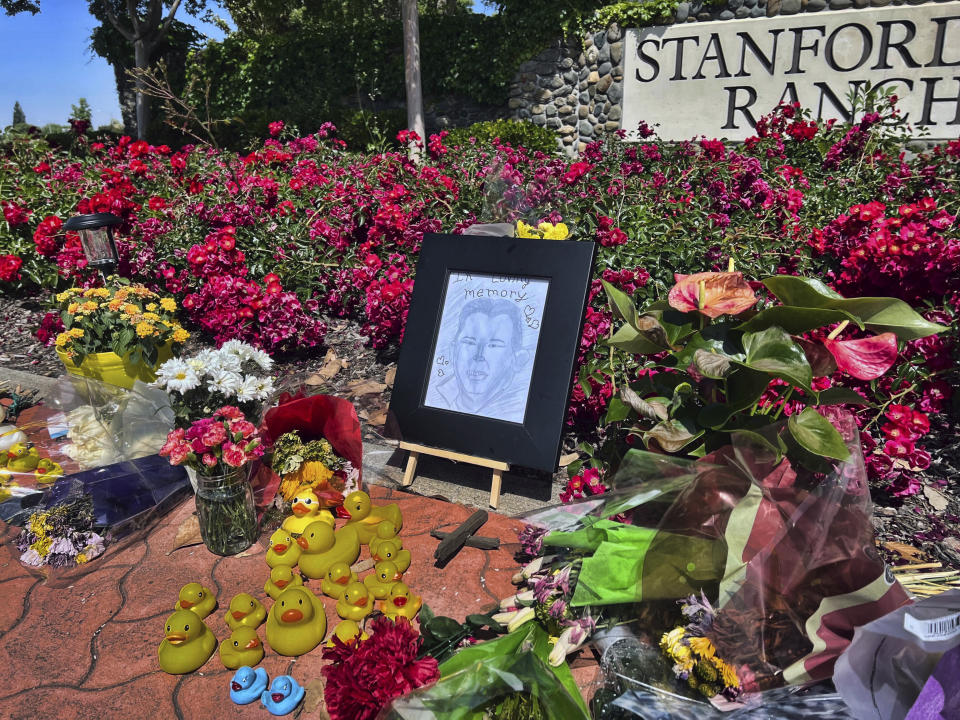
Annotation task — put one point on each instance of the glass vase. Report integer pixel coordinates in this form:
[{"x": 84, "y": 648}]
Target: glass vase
[{"x": 228, "y": 517}]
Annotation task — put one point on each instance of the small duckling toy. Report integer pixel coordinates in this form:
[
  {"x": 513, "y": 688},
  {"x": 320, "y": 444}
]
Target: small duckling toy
[
  {"x": 22, "y": 457},
  {"x": 349, "y": 632},
  {"x": 322, "y": 547},
  {"x": 283, "y": 697},
  {"x": 338, "y": 577},
  {"x": 385, "y": 531},
  {"x": 187, "y": 644},
  {"x": 385, "y": 576},
  {"x": 392, "y": 550},
  {"x": 401, "y": 603},
  {"x": 355, "y": 602},
  {"x": 246, "y": 610},
  {"x": 196, "y": 598},
  {"x": 243, "y": 647},
  {"x": 366, "y": 517},
  {"x": 297, "y": 622},
  {"x": 306, "y": 509},
  {"x": 48, "y": 471},
  {"x": 281, "y": 577},
  {"x": 284, "y": 550},
  {"x": 248, "y": 685}
]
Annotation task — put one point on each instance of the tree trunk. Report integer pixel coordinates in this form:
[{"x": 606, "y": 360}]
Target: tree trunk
[
  {"x": 411, "y": 52},
  {"x": 142, "y": 60}
]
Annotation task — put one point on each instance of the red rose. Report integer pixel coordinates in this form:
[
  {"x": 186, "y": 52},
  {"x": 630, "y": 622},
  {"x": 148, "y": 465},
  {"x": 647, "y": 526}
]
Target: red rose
[{"x": 10, "y": 268}]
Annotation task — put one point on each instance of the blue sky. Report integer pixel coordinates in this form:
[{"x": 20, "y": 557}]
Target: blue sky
[{"x": 46, "y": 64}]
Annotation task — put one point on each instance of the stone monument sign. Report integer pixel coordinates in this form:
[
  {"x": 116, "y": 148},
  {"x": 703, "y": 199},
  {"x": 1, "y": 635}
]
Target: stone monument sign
[{"x": 718, "y": 78}]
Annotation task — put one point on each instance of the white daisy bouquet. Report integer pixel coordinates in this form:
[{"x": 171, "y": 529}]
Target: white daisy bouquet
[{"x": 235, "y": 374}]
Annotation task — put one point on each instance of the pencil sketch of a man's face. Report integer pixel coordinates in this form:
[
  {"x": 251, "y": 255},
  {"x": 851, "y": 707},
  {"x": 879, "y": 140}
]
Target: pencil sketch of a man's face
[{"x": 485, "y": 352}]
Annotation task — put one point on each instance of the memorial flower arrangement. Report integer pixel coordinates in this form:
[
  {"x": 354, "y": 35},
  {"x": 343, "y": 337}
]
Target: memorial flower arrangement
[
  {"x": 366, "y": 675},
  {"x": 311, "y": 465},
  {"x": 125, "y": 319},
  {"x": 62, "y": 536},
  {"x": 215, "y": 445},
  {"x": 235, "y": 374}
]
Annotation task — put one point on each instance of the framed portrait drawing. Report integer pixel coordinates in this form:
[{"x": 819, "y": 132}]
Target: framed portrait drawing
[{"x": 488, "y": 353}]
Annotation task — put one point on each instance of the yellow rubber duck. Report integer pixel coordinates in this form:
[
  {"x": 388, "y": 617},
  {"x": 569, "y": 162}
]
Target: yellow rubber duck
[
  {"x": 366, "y": 517},
  {"x": 392, "y": 550},
  {"x": 385, "y": 576},
  {"x": 306, "y": 509},
  {"x": 187, "y": 644},
  {"x": 296, "y": 623},
  {"x": 338, "y": 577},
  {"x": 385, "y": 531},
  {"x": 48, "y": 471},
  {"x": 401, "y": 603},
  {"x": 22, "y": 457},
  {"x": 322, "y": 547},
  {"x": 243, "y": 647},
  {"x": 349, "y": 632},
  {"x": 281, "y": 578},
  {"x": 245, "y": 611},
  {"x": 355, "y": 603},
  {"x": 284, "y": 550},
  {"x": 196, "y": 598}
]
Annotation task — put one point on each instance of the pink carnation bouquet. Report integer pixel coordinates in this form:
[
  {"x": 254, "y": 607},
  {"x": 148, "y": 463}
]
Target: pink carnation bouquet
[{"x": 216, "y": 444}]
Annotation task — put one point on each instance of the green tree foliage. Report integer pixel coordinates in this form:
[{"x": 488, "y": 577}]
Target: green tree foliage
[
  {"x": 13, "y": 7},
  {"x": 19, "y": 117},
  {"x": 81, "y": 111}
]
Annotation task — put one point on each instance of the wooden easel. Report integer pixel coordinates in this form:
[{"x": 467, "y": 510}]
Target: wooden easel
[{"x": 416, "y": 451}]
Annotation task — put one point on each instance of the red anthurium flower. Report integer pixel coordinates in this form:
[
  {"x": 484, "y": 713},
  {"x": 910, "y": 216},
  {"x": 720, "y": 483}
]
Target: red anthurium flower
[
  {"x": 723, "y": 293},
  {"x": 867, "y": 358}
]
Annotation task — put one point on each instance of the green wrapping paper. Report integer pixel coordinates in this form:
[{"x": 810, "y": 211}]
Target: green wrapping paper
[
  {"x": 630, "y": 564},
  {"x": 480, "y": 675}
]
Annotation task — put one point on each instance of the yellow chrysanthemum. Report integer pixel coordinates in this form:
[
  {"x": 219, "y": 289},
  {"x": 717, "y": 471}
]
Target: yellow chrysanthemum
[
  {"x": 90, "y": 305},
  {"x": 65, "y": 295},
  {"x": 180, "y": 335},
  {"x": 672, "y": 639},
  {"x": 115, "y": 304},
  {"x": 727, "y": 673},
  {"x": 62, "y": 339},
  {"x": 703, "y": 647},
  {"x": 131, "y": 309},
  {"x": 554, "y": 232},
  {"x": 75, "y": 332},
  {"x": 168, "y": 304},
  {"x": 145, "y": 329},
  {"x": 73, "y": 307},
  {"x": 98, "y": 292},
  {"x": 526, "y": 231}
]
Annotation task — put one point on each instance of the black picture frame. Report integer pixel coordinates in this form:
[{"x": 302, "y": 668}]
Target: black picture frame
[{"x": 534, "y": 442}]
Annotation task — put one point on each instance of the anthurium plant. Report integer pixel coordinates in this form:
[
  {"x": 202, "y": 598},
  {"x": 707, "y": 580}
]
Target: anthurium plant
[{"x": 714, "y": 358}]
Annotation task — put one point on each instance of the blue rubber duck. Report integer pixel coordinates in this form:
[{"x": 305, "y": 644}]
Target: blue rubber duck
[
  {"x": 283, "y": 696},
  {"x": 248, "y": 685}
]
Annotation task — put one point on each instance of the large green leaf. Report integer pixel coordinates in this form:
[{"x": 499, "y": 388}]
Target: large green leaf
[
  {"x": 744, "y": 388},
  {"x": 814, "y": 432},
  {"x": 621, "y": 303},
  {"x": 719, "y": 338},
  {"x": 773, "y": 351},
  {"x": 878, "y": 314},
  {"x": 631, "y": 340},
  {"x": 795, "y": 320}
]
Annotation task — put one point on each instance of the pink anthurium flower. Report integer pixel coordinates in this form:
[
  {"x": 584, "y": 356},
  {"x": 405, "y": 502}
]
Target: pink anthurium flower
[
  {"x": 712, "y": 293},
  {"x": 866, "y": 358}
]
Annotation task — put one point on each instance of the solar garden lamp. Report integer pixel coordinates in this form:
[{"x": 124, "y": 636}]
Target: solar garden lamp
[{"x": 96, "y": 236}]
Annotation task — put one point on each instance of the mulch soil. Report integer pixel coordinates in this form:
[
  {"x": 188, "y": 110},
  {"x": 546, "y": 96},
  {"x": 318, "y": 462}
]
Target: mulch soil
[{"x": 919, "y": 528}]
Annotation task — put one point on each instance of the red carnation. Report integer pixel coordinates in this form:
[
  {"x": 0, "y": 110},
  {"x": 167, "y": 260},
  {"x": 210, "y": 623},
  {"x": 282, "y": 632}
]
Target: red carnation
[{"x": 365, "y": 676}]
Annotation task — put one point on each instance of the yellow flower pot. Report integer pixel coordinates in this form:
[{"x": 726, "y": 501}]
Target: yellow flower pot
[{"x": 110, "y": 368}]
